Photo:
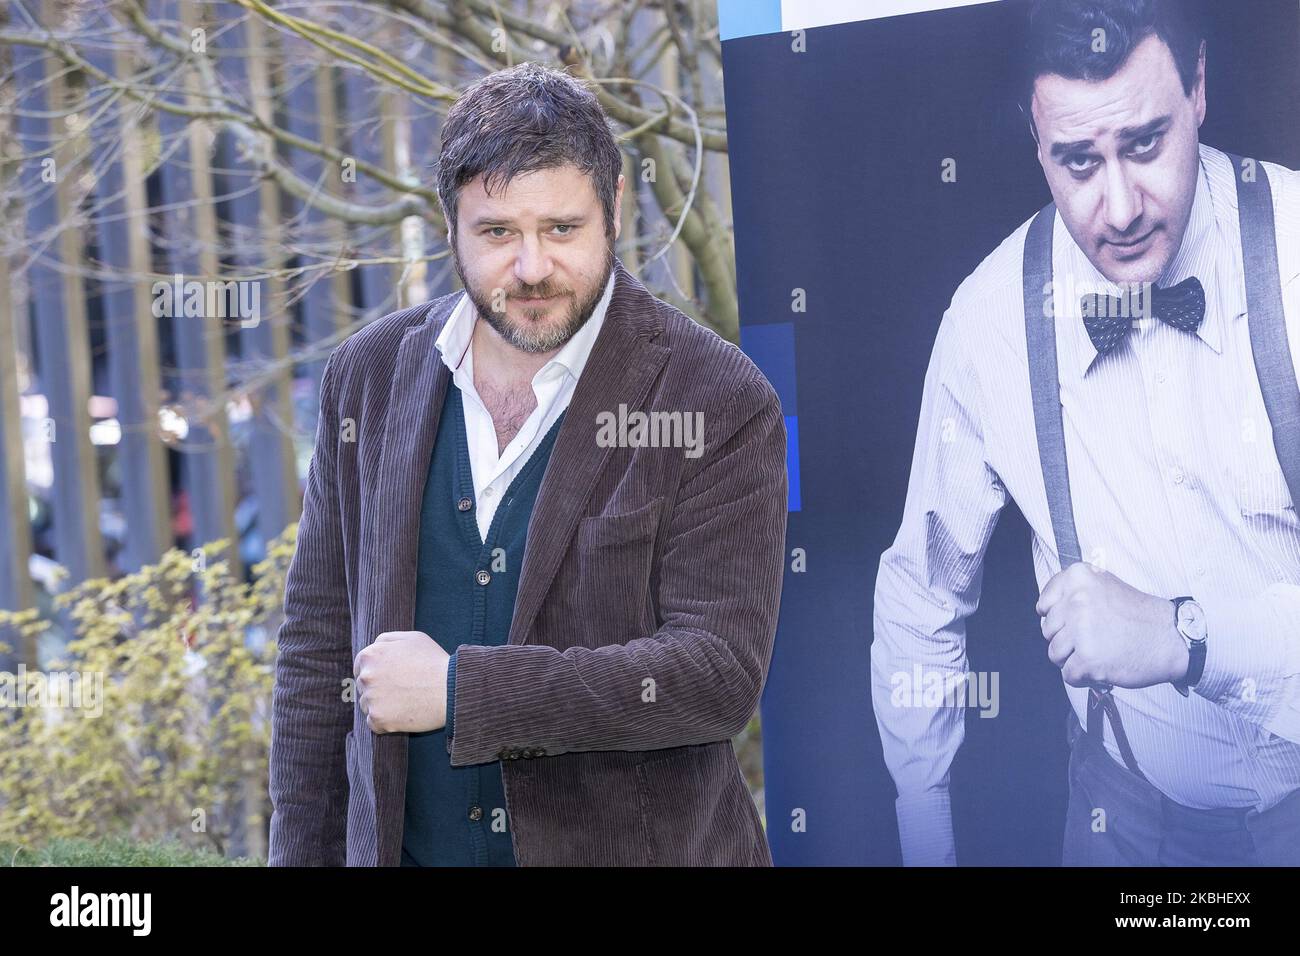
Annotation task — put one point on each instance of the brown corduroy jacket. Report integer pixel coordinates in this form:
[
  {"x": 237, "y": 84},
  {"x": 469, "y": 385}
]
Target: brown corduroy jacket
[{"x": 643, "y": 624}]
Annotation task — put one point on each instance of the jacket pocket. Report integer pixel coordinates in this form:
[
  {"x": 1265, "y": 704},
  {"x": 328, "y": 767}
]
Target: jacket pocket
[
  {"x": 616, "y": 530},
  {"x": 697, "y": 807}
]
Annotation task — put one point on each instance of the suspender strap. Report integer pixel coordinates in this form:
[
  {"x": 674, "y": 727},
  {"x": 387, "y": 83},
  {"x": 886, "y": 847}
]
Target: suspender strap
[
  {"x": 1273, "y": 366},
  {"x": 1044, "y": 383},
  {"x": 1102, "y": 702},
  {"x": 1268, "y": 336}
]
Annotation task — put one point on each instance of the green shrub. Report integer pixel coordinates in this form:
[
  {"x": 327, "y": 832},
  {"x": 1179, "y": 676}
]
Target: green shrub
[
  {"x": 177, "y": 762},
  {"x": 180, "y": 749}
]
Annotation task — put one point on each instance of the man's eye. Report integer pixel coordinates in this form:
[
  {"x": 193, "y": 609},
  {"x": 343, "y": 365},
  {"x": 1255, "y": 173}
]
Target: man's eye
[
  {"x": 1079, "y": 164},
  {"x": 564, "y": 228},
  {"x": 497, "y": 232},
  {"x": 1146, "y": 144}
]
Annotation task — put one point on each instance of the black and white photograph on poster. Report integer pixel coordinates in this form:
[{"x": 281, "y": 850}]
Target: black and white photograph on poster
[{"x": 1055, "y": 247}]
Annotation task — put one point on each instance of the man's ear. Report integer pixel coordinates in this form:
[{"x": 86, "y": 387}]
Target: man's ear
[
  {"x": 450, "y": 230},
  {"x": 618, "y": 206},
  {"x": 1198, "y": 91},
  {"x": 1033, "y": 127}
]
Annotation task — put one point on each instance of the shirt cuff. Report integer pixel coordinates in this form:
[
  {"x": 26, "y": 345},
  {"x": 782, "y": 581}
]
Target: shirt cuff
[
  {"x": 451, "y": 697},
  {"x": 925, "y": 829},
  {"x": 1252, "y": 659}
]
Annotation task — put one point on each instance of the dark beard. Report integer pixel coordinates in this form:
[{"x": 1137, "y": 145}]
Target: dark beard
[{"x": 551, "y": 340}]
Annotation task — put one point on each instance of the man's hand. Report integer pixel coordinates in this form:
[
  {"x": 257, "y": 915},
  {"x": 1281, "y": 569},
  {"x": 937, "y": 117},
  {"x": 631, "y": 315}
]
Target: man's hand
[
  {"x": 402, "y": 683},
  {"x": 1102, "y": 631}
]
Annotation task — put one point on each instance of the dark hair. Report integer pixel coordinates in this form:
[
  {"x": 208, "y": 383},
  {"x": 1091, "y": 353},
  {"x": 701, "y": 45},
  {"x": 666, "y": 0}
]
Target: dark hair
[
  {"x": 1061, "y": 38},
  {"x": 520, "y": 120}
]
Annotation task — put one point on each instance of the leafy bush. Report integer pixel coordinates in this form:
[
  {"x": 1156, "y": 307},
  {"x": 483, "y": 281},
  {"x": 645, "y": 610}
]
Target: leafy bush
[
  {"x": 184, "y": 653},
  {"x": 176, "y": 762}
]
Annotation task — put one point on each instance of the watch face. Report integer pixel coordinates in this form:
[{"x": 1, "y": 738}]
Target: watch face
[{"x": 1191, "y": 621}]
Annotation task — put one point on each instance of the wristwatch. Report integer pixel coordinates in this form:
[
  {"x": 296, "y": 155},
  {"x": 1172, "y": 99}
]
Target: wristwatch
[{"x": 1190, "y": 621}]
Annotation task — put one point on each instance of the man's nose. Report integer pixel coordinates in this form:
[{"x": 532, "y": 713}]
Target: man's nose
[
  {"x": 1123, "y": 200},
  {"x": 532, "y": 264}
]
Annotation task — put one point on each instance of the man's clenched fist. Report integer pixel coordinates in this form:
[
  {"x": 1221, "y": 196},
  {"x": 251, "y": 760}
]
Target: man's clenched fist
[
  {"x": 402, "y": 683},
  {"x": 1102, "y": 631}
]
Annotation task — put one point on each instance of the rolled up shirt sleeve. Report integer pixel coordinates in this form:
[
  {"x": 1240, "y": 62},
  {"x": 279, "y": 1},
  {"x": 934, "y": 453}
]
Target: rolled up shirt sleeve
[
  {"x": 1252, "y": 657},
  {"x": 928, "y": 582}
]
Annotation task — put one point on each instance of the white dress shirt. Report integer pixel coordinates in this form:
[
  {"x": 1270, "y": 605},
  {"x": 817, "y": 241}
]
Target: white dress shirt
[
  {"x": 553, "y": 386},
  {"x": 1177, "y": 490}
]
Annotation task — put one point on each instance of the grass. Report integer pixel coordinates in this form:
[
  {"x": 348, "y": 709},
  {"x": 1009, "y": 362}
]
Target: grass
[{"x": 114, "y": 851}]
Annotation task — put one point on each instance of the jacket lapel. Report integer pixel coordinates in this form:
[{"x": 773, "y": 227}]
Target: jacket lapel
[
  {"x": 410, "y": 428},
  {"x": 625, "y": 360}
]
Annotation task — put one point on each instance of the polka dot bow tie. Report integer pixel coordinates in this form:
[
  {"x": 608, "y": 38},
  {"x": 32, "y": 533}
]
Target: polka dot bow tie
[{"x": 1109, "y": 319}]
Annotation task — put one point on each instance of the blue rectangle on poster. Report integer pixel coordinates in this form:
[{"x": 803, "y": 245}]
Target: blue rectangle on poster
[
  {"x": 792, "y": 460},
  {"x": 772, "y": 349},
  {"x": 747, "y": 18}
]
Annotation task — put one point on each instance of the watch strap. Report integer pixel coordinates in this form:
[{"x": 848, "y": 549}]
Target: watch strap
[{"x": 1195, "y": 655}]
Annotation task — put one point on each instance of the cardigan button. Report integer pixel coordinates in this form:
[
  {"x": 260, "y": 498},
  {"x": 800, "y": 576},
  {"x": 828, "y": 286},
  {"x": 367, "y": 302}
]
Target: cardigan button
[
  {"x": 476, "y": 813},
  {"x": 464, "y": 504},
  {"x": 482, "y": 577}
]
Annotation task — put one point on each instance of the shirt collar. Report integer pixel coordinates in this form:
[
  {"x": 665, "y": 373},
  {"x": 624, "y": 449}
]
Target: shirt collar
[
  {"x": 1210, "y": 250},
  {"x": 457, "y": 335}
]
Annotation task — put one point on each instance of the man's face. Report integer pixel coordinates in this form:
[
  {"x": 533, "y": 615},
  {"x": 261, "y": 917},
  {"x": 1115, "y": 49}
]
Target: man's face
[
  {"x": 534, "y": 256},
  {"x": 1121, "y": 158}
]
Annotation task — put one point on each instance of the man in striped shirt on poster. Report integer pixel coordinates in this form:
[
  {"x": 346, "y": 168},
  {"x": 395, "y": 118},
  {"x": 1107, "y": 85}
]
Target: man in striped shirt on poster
[{"x": 1121, "y": 371}]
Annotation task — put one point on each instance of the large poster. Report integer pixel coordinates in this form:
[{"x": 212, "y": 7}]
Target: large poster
[{"x": 888, "y": 161}]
